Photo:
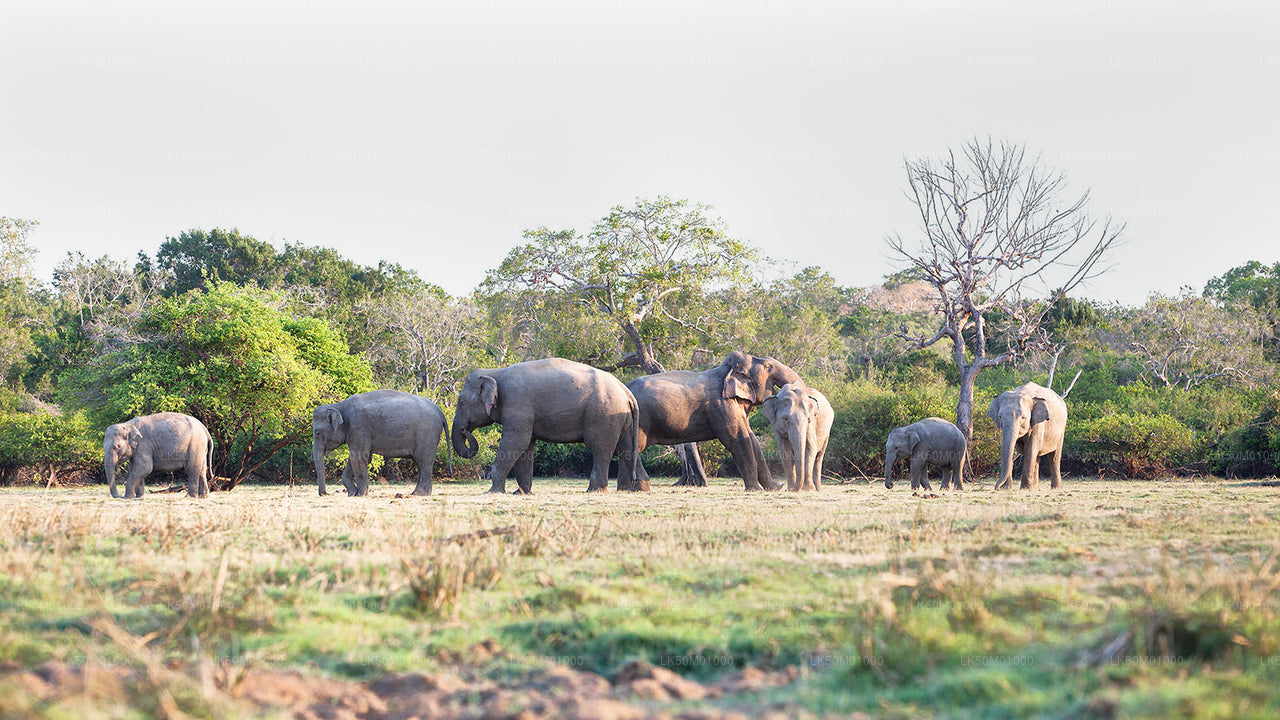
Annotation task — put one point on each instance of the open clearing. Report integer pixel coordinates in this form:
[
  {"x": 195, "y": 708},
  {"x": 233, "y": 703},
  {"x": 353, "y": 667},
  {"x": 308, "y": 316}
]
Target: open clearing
[{"x": 1105, "y": 599}]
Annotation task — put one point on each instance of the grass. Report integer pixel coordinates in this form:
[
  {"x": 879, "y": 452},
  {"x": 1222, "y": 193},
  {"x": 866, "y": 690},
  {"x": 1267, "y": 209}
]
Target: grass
[{"x": 1106, "y": 599}]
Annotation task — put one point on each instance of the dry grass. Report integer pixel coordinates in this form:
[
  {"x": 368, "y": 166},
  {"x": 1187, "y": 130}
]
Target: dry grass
[{"x": 1087, "y": 578}]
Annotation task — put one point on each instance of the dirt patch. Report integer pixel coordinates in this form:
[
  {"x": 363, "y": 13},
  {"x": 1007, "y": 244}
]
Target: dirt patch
[{"x": 639, "y": 691}]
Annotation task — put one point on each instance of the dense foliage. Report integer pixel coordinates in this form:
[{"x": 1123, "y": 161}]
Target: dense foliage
[{"x": 249, "y": 338}]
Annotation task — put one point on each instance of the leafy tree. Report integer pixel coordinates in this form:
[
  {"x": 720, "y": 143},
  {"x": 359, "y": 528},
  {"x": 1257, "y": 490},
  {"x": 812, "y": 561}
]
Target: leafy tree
[
  {"x": 229, "y": 357},
  {"x": 648, "y": 273},
  {"x": 197, "y": 256},
  {"x": 991, "y": 226},
  {"x": 20, "y": 304},
  {"x": 795, "y": 320}
]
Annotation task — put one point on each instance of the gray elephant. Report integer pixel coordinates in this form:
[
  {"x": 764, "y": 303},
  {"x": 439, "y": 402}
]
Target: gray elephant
[
  {"x": 801, "y": 419},
  {"x": 680, "y": 406},
  {"x": 552, "y": 400},
  {"x": 932, "y": 441},
  {"x": 390, "y": 423},
  {"x": 1033, "y": 420},
  {"x": 163, "y": 442}
]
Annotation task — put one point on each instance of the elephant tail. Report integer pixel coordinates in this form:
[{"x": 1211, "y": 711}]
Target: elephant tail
[
  {"x": 208, "y": 463},
  {"x": 634, "y": 446}
]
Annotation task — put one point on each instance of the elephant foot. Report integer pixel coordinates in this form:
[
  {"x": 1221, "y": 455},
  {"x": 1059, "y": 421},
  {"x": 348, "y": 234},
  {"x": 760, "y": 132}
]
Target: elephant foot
[
  {"x": 635, "y": 487},
  {"x": 771, "y": 485},
  {"x": 522, "y": 491},
  {"x": 598, "y": 489},
  {"x": 497, "y": 491},
  {"x": 420, "y": 492},
  {"x": 690, "y": 482}
]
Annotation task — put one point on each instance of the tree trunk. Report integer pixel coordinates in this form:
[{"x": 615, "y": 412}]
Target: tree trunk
[{"x": 964, "y": 415}]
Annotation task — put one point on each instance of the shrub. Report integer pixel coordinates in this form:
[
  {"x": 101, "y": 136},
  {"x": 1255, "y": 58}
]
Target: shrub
[
  {"x": 1253, "y": 449},
  {"x": 1134, "y": 445},
  {"x": 46, "y": 443}
]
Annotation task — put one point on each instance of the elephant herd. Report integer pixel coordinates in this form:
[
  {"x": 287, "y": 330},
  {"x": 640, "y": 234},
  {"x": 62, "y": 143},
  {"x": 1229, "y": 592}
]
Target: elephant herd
[{"x": 561, "y": 401}]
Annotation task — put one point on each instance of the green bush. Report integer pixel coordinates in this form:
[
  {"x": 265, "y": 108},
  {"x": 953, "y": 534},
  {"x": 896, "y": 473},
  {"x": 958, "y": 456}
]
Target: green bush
[
  {"x": 40, "y": 443},
  {"x": 1132, "y": 445},
  {"x": 1253, "y": 449}
]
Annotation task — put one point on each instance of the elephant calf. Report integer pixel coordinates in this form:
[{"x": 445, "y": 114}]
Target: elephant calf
[
  {"x": 162, "y": 442},
  {"x": 801, "y": 418},
  {"x": 391, "y": 423},
  {"x": 932, "y": 441}
]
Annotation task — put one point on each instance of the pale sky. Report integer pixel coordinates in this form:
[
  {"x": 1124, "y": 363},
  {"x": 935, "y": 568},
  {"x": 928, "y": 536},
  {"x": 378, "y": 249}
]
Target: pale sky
[{"x": 433, "y": 134}]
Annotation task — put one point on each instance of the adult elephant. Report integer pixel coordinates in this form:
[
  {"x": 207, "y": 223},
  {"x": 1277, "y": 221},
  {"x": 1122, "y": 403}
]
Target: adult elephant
[
  {"x": 1033, "y": 420},
  {"x": 801, "y": 419},
  {"x": 163, "y": 442},
  {"x": 681, "y": 406},
  {"x": 553, "y": 400},
  {"x": 390, "y": 423}
]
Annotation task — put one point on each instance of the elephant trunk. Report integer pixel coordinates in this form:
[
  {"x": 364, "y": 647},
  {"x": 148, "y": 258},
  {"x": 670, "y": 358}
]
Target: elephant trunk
[
  {"x": 464, "y": 442},
  {"x": 799, "y": 454},
  {"x": 1006, "y": 460},
  {"x": 109, "y": 462},
  {"x": 317, "y": 451},
  {"x": 890, "y": 458}
]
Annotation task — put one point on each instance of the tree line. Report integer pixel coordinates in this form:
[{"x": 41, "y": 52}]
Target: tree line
[{"x": 250, "y": 337}]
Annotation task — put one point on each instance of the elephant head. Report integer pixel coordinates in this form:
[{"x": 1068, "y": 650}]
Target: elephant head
[
  {"x": 328, "y": 431},
  {"x": 791, "y": 413},
  {"x": 901, "y": 443},
  {"x": 1015, "y": 413},
  {"x": 119, "y": 443},
  {"x": 751, "y": 379},
  {"x": 476, "y": 403}
]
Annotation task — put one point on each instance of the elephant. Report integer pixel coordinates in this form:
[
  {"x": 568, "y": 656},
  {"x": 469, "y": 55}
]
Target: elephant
[
  {"x": 681, "y": 406},
  {"x": 553, "y": 400},
  {"x": 932, "y": 441},
  {"x": 163, "y": 442},
  {"x": 1033, "y": 420},
  {"x": 801, "y": 420},
  {"x": 391, "y": 423}
]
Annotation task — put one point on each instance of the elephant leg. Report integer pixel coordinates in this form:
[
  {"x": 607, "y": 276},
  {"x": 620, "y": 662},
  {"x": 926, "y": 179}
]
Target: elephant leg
[
  {"x": 1055, "y": 469},
  {"x": 641, "y": 479},
  {"x": 514, "y": 442},
  {"x": 139, "y": 469},
  {"x": 524, "y": 471},
  {"x": 426, "y": 461},
  {"x": 788, "y": 458},
  {"x": 347, "y": 481},
  {"x": 692, "y": 473},
  {"x": 920, "y": 472},
  {"x": 1031, "y": 465},
  {"x": 762, "y": 465},
  {"x": 817, "y": 468}
]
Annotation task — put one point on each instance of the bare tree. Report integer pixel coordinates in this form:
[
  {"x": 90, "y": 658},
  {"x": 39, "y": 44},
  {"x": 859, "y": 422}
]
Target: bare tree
[
  {"x": 999, "y": 245},
  {"x": 1187, "y": 340},
  {"x": 431, "y": 338}
]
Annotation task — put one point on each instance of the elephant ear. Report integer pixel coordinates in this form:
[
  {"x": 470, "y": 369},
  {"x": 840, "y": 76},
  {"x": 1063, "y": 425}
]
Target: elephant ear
[
  {"x": 334, "y": 417},
  {"x": 811, "y": 403},
  {"x": 1039, "y": 411},
  {"x": 993, "y": 411},
  {"x": 488, "y": 393},
  {"x": 737, "y": 384},
  {"x": 913, "y": 439},
  {"x": 134, "y": 436},
  {"x": 770, "y": 408}
]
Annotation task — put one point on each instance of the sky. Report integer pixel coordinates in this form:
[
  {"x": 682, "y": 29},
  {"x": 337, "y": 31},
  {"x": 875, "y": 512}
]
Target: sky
[{"x": 434, "y": 133}]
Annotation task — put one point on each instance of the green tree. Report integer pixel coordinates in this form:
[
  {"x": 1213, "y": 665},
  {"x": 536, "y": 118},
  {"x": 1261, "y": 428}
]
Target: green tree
[
  {"x": 648, "y": 274},
  {"x": 21, "y": 307},
  {"x": 229, "y": 357},
  {"x": 196, "y": 256}
]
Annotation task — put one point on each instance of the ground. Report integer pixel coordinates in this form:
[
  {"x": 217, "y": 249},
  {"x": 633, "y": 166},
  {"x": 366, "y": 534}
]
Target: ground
[{"x": 1104, "y": 599}]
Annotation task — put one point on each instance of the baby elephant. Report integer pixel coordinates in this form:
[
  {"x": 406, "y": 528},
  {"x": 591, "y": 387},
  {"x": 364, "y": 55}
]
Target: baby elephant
[
  {"x": 932, "y": 441},
  {"x": 162, "y": 442},
  {"x": 801, "y": 418}
]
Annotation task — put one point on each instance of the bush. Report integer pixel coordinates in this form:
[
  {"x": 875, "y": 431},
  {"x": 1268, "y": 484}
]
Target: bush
[
  {"x": 1252, "y": 450},
  {"x": 1133, "y": 445},
  {"x": 41, "y": 443}
]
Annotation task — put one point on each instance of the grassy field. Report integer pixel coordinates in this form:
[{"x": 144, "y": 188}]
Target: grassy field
[{"x": 1106, "y": 599}]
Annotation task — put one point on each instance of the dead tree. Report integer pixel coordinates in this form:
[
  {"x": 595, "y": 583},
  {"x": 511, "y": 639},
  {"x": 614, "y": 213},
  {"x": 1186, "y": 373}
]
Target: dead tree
[{"x": 999, "y": 245}]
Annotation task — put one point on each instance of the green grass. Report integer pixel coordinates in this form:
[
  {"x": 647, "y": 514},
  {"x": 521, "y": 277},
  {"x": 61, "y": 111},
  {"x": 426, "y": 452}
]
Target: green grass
[{"x": 1105, "y": 599}]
